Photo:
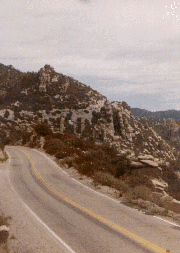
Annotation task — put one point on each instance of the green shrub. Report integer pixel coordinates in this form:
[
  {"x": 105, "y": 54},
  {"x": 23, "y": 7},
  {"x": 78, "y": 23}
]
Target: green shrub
[
  {"x": 52, "y": 146},
  {"x": 42, "y": 129},
  {"x": 57, "y": 147},
  {"x": 84, "y": 167}
]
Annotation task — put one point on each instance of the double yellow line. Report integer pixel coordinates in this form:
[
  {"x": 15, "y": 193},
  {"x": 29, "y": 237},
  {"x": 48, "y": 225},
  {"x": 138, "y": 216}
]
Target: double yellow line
[{"x": 122, "y": 230}]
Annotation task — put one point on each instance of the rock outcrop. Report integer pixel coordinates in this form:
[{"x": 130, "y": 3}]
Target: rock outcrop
[{"x": 72, "y": 107}]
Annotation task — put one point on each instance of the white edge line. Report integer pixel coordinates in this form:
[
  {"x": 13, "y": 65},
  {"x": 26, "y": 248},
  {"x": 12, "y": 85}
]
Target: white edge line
[
  {"x": 32, "y": 213},
  {"x": 77, "y": 181},
  {"x": 96, "y": 191},
  {"x": 167, "y": 221}
]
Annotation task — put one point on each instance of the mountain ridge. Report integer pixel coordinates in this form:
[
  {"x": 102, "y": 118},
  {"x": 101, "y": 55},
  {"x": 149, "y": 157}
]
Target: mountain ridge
[{"x": 174, "y": 114}]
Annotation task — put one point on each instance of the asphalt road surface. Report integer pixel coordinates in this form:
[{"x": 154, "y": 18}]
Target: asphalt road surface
[{"x": 79, "y": 218}]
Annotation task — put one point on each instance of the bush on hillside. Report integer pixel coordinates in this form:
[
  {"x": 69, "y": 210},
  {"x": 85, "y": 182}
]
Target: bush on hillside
[
  {"x": 84, "y": 167},
  {"x": 26, "y": 138},
  {"x": 121, "y": 168},
  {"x": 57, "y": 147},
  {"x": 42, "y": 129},
  {"x": 173, "y": 181},
  {"x": 74, "y": 140},
  {"x": 105, "y": 178},
  {"x": 53, "y": 145}
]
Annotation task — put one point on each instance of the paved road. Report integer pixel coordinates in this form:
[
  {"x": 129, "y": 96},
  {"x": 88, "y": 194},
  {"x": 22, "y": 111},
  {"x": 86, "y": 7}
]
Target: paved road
[{"x": 86, "y": 221}]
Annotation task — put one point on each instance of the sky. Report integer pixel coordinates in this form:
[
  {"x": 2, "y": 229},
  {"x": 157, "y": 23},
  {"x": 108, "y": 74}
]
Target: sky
[{"x": 127, "y": 50}]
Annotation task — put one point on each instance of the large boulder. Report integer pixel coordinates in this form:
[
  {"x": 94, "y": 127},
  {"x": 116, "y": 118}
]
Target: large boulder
[{"x": 160, "y": 184}]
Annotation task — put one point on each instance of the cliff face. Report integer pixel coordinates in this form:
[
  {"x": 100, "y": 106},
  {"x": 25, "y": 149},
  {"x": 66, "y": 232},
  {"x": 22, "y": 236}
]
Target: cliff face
[{"x": 72, "y": 107}]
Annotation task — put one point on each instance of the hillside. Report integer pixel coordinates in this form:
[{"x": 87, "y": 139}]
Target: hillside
[
  {"x": 173, "y": 114},
  {"x": 82, "y": 129}
]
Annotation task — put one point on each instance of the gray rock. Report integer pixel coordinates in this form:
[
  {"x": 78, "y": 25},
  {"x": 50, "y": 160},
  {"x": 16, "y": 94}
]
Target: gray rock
[
  {"x": 150, "y": 163},
  {"x": 137, "y": 164},
  {"x": 146, "y": 157},
  {"x": 116, "y": 138},
  {"x": 4, "y": 233},
  {"x": 159, "y": 189},
  {"x": 162, "y": 184}
]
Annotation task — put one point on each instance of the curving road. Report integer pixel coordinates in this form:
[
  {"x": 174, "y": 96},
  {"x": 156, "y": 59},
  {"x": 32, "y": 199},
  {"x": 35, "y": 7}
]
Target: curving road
[{"x": 79, "y": 218}]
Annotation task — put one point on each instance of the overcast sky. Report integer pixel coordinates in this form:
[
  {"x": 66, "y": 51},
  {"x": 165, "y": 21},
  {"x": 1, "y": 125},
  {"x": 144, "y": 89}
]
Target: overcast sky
[{"x": 128, "y": 50}]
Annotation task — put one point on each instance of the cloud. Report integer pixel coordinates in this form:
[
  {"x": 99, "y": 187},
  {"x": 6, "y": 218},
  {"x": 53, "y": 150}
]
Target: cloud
[{"x": 128, "y": 44}]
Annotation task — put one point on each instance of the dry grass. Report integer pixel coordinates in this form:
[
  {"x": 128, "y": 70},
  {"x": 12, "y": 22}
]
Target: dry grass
[
  {"x": 137, "y": 192},
  {"x": 105, "y": 178},
  {"x": 149, "y": 207}
]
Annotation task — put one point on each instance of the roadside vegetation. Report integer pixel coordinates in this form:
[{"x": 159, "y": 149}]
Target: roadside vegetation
[
  {"x": 102, "y": 165},
  {"x": 99, "y": 162}
]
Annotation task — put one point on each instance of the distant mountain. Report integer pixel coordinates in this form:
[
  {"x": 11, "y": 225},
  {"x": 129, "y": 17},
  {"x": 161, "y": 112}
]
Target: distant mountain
[{"x": 172, "y": 114}]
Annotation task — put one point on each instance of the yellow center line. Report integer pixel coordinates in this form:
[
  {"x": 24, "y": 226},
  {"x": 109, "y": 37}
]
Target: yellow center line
[{"x": 121, "y": 229}]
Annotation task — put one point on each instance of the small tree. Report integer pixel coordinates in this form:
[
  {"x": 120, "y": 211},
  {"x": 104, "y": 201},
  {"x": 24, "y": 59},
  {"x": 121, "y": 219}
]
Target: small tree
[{"x": 42, "y": 129}]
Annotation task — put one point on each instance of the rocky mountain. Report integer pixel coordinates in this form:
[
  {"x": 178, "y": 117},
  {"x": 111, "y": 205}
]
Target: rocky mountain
[
  {"x": 172, "y": 114},
  {"x": 168, "y": 129},
  {"x": 72, "y": 107},
  {"x": 106, "y": 132}
]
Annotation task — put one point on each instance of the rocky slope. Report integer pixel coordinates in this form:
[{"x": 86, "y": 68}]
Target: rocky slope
[{"x": 71, "y": 107}]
